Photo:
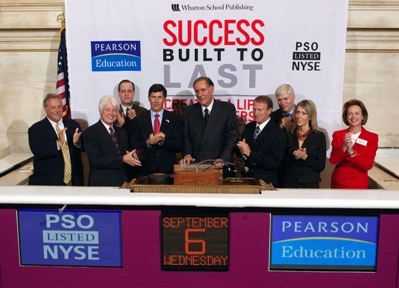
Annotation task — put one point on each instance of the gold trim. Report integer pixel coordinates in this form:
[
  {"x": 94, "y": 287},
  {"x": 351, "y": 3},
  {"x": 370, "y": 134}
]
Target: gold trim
[{"x": 61, "y": 17}]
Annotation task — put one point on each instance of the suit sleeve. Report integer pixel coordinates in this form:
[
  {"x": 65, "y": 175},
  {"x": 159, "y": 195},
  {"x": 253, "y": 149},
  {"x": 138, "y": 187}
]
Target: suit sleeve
[
  {"x": 317, "y": 160},
  {"x": 337, "y": 155},
  {"x": 365, "y": 160},
  {"x": 42, "y": 146},
  {"x": 188, "y": 148},
  {"x": 270, "y": 159},
  {"x": 232, "y": 134},
  {"x": 96, "y": 152},
  {"x": 135, "y": 137},
  {"x": 173, "y": 141}
]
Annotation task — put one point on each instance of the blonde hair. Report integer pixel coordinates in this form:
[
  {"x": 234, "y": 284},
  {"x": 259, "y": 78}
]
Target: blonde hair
[{"x": 310, "y": 109}]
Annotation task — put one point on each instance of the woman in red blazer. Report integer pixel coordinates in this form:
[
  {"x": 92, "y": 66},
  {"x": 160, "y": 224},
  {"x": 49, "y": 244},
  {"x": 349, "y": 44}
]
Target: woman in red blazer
[{"x": 353, "y": 149}]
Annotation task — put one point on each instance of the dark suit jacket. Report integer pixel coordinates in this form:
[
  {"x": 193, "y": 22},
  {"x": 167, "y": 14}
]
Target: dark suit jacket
[
  {"x": 351, "y": 172},
  {"x": 267, "y": 151},
  {"x": 106, "y": 165},
  {"x": 215, "y": 140},
  {"x": 276, "y": 116},
  {"x": 157, "y": 158},
  {"x": 305, "y": 173},
  {"x": 128, "y": 123},
  {"x": 48, "y": 161}
]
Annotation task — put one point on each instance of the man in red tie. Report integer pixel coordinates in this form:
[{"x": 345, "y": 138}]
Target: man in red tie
[{"x": 157, "y": 134}]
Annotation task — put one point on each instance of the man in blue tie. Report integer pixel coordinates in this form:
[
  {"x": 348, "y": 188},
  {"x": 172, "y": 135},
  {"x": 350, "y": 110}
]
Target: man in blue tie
[
  {"x": 286, "y": 101},
  {"x": 263, "y": 142},
  {"x": 283, "y": 117}
]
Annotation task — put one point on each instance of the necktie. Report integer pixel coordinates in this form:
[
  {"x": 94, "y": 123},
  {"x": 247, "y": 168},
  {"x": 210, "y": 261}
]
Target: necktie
[
  {"x": 206, "y": 116},
  {"x": 113, "y": 135},
  {"x": 287, "y": 115},
  {"x": 157, "y": 125},
  {"x": 67, "y": 159},
  {"x": 127, "y": 110},
  {"x": 257, "y": 132}
]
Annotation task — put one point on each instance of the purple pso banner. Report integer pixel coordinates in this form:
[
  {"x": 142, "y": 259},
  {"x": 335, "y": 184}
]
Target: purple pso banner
[
  {"x": 71, "y": 238},
  {"x": 327, "y": 243}
]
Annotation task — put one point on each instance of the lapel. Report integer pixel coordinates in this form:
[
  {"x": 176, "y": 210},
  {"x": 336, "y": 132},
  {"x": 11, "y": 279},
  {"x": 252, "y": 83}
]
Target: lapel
[
  {"x": 363, "y": 135},
  {"x": 250, "y": 133},
  {"x": 49, "y": 130},
  {"x": 199, "y": 123},
  {"x": 212, "y": 121},
  {"x": 165, "y": 121},
  {"x": 104, "y": 134},
  {"x": 147, "y": 124},
  {"x": 262, "y": 136}
]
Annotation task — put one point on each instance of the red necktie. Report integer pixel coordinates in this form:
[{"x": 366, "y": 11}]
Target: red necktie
[{"x": 157, "y": 125}]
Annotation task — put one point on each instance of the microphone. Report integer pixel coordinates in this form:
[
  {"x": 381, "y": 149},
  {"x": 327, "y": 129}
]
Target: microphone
[{"x": 244, "y": 171}]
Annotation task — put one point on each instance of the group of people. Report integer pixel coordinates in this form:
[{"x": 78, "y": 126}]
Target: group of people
[{"x": 285, "y": 147}]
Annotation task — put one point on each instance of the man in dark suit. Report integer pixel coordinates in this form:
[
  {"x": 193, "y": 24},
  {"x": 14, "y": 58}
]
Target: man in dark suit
[
  {"x": 107, "y": 147},
  {"x": 57, "y": 159},
  {"x": 210, "y": 127},
  {"x": 157, "y": 134},
  {"x": 127, "y": 109},
  {"x": 263, "y": 142},
  {"x": 283, "y": 117}
]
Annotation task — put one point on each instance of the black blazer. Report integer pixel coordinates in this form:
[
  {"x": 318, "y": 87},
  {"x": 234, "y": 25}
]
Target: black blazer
[
  {"x": 106, "y": 165},
  {"x": 128, "y": 123},
  {"x": 267, "y": 151},
  {"x": 48, "y": 161},
  {"x": 157, "y": 158},
  {"x": 215, "y": 140},
  {"x": 305, "y": 173}
]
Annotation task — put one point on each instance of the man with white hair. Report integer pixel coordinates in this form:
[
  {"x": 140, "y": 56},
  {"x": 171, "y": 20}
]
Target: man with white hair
[{"x": 107, "y": 147}]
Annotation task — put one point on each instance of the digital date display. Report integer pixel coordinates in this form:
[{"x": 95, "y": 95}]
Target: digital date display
[{"x": 195, "y": 242}]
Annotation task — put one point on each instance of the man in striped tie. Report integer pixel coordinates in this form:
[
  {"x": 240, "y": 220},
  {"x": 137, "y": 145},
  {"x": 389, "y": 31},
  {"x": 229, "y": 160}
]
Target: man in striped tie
[
  {"x": 263, "y": 143},
  {"x": 56, "y": 147},
  {"x": 107, "y": 147}
]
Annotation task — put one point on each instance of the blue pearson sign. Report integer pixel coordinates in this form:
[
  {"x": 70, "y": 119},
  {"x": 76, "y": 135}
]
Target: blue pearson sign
[
  {"x": 323, "y": 243},
  {"x": 109, "y": 56},
  {"x": 70, "y": 238}
]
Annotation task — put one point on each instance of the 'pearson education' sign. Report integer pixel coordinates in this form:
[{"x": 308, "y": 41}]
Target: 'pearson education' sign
[{"x": 328, "y": 243}]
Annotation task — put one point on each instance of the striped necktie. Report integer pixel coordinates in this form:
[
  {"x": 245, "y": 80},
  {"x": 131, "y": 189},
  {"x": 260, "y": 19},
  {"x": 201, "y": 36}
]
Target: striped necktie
[
  {"x": 113, "y": 135},
  {"x": 67, "y": 158},
  {"x": 257, "y": 132}
]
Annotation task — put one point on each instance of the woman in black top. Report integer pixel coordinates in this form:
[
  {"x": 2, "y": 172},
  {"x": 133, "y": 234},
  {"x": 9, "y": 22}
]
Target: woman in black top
[{"x": 306, "y": 149}]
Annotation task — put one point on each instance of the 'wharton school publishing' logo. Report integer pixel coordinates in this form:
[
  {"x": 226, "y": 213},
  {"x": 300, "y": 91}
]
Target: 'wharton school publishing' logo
[
  {"x": 324, "y": 243},
  {"x": 109, "y": 56}
]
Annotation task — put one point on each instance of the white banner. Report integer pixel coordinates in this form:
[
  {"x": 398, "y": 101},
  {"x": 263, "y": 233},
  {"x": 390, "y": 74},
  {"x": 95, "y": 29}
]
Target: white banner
[{"x": 247, "y": 48}]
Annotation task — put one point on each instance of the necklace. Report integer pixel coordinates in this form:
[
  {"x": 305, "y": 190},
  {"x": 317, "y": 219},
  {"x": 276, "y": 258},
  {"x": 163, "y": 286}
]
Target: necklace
[{"x": 302, "y": 136}]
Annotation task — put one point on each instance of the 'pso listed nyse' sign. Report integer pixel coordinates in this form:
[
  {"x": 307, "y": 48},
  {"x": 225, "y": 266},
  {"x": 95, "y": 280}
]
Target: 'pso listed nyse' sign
[
  {"x": 195, "y": 242},
  {"x": 324, "y": 243},
  {"x": 71, "y": 238}
]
